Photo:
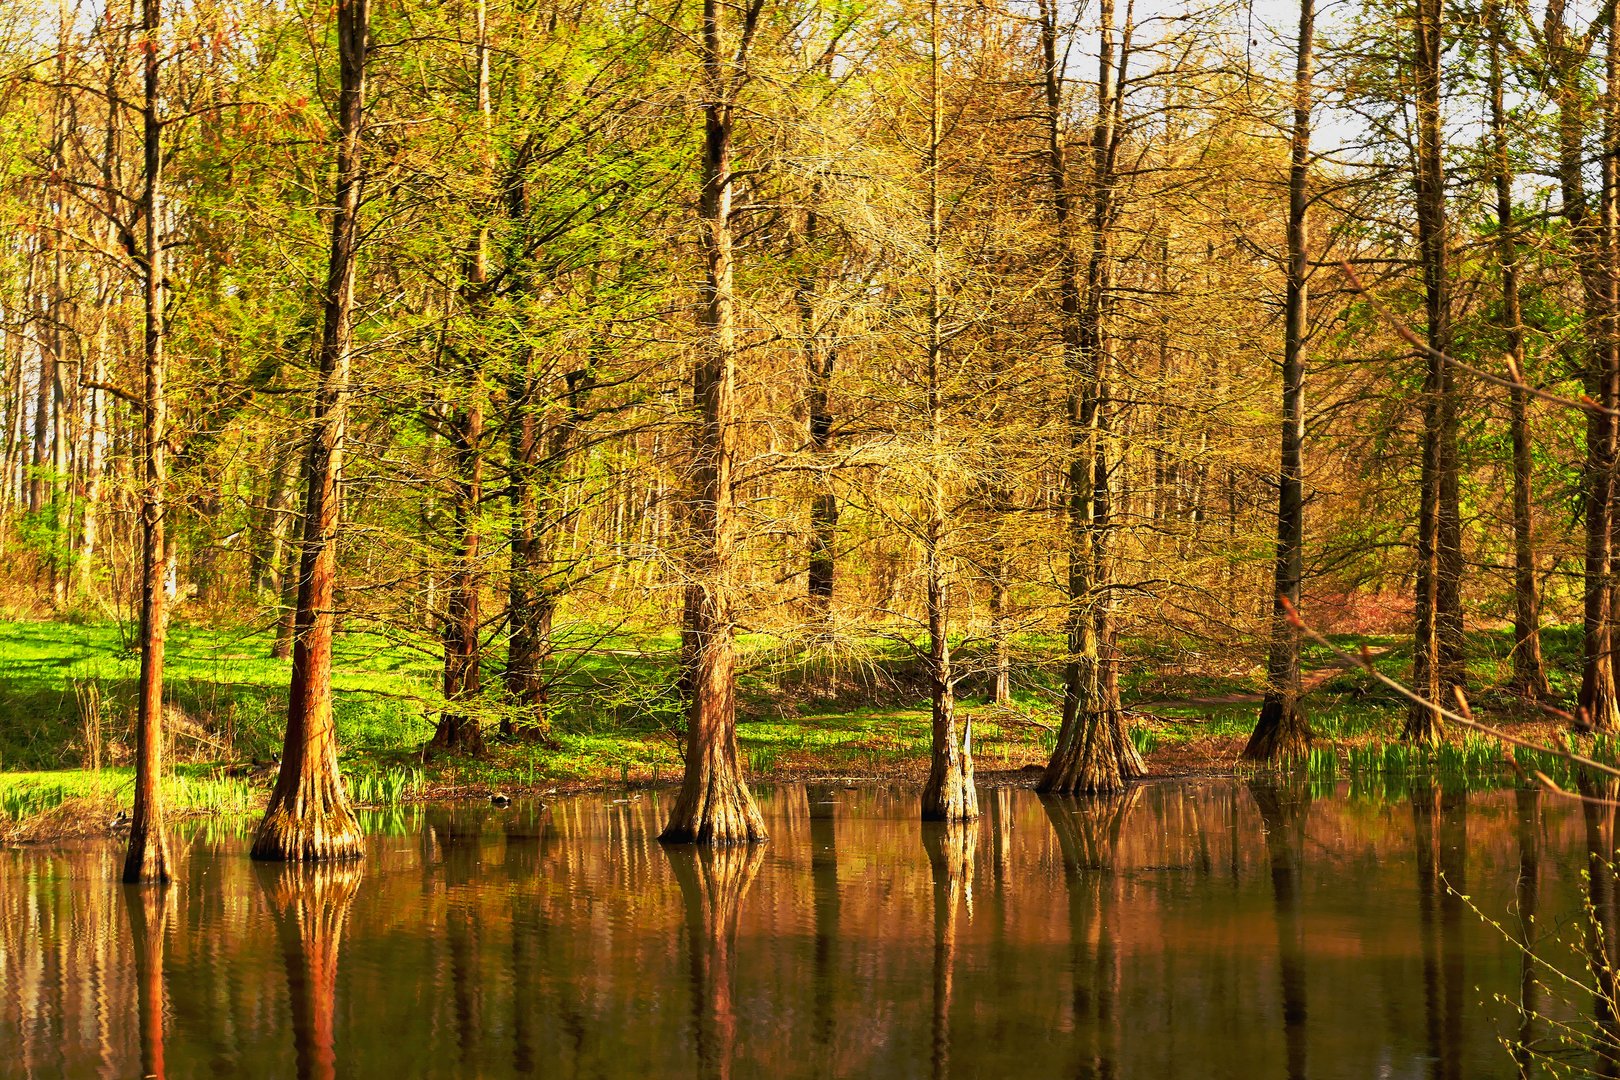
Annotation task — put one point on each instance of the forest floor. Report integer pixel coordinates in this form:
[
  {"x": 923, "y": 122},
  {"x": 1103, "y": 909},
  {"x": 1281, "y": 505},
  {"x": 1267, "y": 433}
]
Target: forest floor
[{"x": 66, "y": 703}]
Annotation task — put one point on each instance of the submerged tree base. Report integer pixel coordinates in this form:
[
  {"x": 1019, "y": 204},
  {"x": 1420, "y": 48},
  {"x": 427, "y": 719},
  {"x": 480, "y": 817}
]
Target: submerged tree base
[
  {"x": 309, "y": 827},
  {"x": 1101, "y": 761},
  {"x": 1281, "y": 733},
  {"x": 147, "y": 860},
  {"x": 949, "y": 794},
  {"x": 715, "y": 807}
]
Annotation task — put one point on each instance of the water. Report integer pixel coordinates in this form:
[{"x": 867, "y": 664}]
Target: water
[{"x": 1197, "y": 930}]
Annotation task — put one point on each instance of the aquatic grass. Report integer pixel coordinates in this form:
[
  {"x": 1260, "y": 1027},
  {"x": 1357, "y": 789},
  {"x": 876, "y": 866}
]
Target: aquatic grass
[{"x": 388, "y": 787}]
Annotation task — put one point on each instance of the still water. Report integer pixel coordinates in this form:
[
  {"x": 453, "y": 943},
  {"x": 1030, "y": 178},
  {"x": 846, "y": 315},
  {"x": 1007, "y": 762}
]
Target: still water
[{"x": 1208, "y": 929}]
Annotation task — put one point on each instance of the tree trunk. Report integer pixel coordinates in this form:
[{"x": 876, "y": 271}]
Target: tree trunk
[
  {"x": 949, "y": 794},
  {"x": 714, "y": 805},
  {"x": 820, "y": 359},
  {"x": 1597, "y": 702},
  {"x": 1529, "y": 673},
  {"x": 309, "y": 818},
  {"x": 1437, "y": 650},
  {"x": 460, "y": 730},
  {"x": 147, "y": 859},
  {"x": 1094, "y": 754},
  {"x": 1282, "y": 731}
]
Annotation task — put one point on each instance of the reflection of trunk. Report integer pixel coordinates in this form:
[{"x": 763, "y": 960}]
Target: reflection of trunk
[
  {"x": 714, "y": 805},
  {"x": 1094, "y": 753},
  {"x": 148, "y": 921},
  {"x": 1437, "y": 652},
  {"x": 951, "y": 847},
  {"x": 1602, "y": 918},
  {"x": 948, "y": 795},
  {"x": 825, "y": 902},
  {"x": 1282, "y": 731},
  {"x": 1088, "y": 837},
  {"x": 309, "y": 816},
  {"x": 1529, "y": 675},
  {"x": 1528, "y": 801},
  {"x": 459, "y": 843},
  {"x": 1441, "y": 826},
  {"x": 1284, "y": 818},
  {"x": 148, "y": 855},
  {"x": 713, "y": 882},
  {"x": 309, "y": 905}
]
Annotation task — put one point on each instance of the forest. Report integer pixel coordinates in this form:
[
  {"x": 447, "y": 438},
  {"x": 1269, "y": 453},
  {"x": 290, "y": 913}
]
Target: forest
[{"x": 615, "y": 363}]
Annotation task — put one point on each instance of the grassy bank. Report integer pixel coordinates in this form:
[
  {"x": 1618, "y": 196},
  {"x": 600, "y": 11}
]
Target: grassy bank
[{"x": 67, "y": 699}]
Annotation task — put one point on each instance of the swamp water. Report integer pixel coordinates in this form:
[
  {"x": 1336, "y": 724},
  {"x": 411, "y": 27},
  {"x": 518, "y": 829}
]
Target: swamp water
[{"x": 1209, "y": 929}]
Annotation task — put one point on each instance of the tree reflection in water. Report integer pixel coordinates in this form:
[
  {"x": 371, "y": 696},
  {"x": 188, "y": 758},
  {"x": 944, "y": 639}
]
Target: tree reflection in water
[
  {"x": 951, "y": 847},
  {"x": 1598, "y": 803},
  {"x": 1088, "y": 833},
  {"x": 1440, "y": 826},
  {"x": 713, "y": 881},
  {"x": 148, "y": 907},
  {"x": 1283, "y": 812},
  {"x": 309, "y": 904}
]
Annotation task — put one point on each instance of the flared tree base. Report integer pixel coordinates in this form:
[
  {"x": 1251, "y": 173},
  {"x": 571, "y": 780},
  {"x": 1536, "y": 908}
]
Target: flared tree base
[
  {"x": 1102, "y": 761},
  {"x": 458, "y": 735},
  {"x": 1281, "y": 734},
  {"x": 949, "y": 794},
  {"x": 309, "y": 830},
  {"x": 146, "y": 862},
  {"x": 714, "y": 807}
]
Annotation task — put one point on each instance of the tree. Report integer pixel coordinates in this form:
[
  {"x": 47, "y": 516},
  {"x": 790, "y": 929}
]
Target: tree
[
  {"x": 309, "y": 818},
  {"x": 1094, "y": 753},
  {"x": 147, "y": 859},
  {"x": 1282, "y": 731},
  {"x": 1529, "y": 672},
  {"x": 1437, "y": 650},
  {"x": 714, "y": 805}
]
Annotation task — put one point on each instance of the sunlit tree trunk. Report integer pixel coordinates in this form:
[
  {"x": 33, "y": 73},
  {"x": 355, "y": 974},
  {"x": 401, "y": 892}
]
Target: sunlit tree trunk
[
  {"x": 309, "y": 816},
  {"x": 1094, "y": 753},
  {"x": 1437, "y": 650},
  {"x": 714, "y": 805},
  {"x": 147, "y": 859},
  {"x": 1529, "y": 673},
  {"x": 949, "y": 794},
  {"x": 1282, "y": 731}
]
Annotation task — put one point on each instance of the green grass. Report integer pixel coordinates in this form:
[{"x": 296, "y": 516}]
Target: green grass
[{"x": 615, "y": 712}]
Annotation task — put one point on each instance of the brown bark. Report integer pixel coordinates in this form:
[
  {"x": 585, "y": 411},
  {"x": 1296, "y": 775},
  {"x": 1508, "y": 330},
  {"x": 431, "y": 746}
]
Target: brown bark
[
  {"x": 820, "y": 359},
  {"x": 1567, "y": 55},
  {"x": 1438, "y": 646},
  {"x": 948, "y": 794},
  {"x": 1282, "y": 731},
  {"x": 1529, "y": 673},
  {"x": 309, "y": 905},
  {"x": 460, "y": 730},
  {"x": 1094, "y": 753},
  {"x": 147, "y": 859},
  {"x": 309, "y": 816},
  {"x": 714, "y": 805}
]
